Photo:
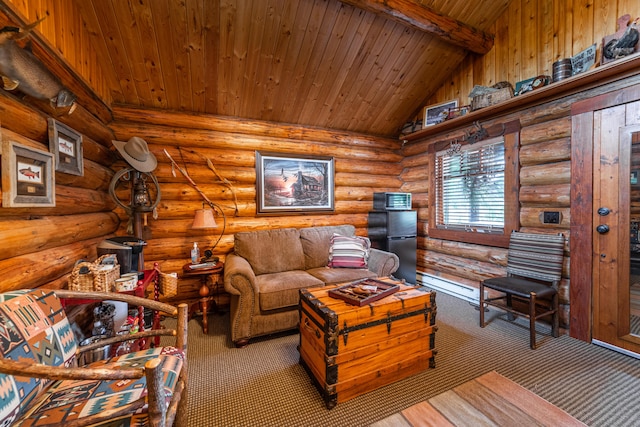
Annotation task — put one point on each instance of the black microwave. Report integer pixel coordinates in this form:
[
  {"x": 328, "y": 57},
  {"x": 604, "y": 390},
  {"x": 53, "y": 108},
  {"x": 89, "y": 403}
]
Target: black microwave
[{"x": 391, "y": 201}]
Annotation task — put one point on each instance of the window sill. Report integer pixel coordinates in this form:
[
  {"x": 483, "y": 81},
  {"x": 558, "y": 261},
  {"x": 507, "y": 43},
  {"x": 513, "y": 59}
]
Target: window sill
[{"x": 485, "y": 239}]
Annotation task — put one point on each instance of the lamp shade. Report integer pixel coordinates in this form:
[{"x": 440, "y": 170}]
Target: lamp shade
[{"x": 204, "y": 219}]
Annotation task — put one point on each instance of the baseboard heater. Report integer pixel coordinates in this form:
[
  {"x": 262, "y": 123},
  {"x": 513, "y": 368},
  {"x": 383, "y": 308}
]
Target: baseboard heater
[{"x": 458, "y": 290}]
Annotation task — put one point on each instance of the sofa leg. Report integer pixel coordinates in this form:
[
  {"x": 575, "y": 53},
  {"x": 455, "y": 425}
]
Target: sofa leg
[{"x": 242, "y": 343}]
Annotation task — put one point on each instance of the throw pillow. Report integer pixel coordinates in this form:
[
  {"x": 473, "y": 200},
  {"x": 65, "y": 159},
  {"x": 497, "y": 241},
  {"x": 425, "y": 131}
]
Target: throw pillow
[{"x": 349, "y": 252}]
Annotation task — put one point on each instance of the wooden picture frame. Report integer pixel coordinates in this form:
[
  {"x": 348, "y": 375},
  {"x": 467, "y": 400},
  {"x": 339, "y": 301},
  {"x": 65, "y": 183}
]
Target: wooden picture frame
[
  {"x": 28, "y": 178},
  {"x": 66, "y": 146},
  {"x": 290, "y": 183},
  {"x": 438, "y": 113}
]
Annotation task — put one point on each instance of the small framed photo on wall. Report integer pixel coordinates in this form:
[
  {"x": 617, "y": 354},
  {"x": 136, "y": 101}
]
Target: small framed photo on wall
[
  {"x": 435, "y": 114},
  {"x": 27, "y": 176},
  {"x": 66, "y": 146}
]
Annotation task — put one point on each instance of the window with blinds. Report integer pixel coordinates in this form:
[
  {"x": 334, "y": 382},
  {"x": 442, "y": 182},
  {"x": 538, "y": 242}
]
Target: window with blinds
[{"x": 469, "y": 185}]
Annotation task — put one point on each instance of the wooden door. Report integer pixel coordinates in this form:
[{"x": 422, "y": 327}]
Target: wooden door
[
  {"x": 606, "y": 173},
  {"x": 614, "y": 143},
  {"x": 612, "y": 219}
]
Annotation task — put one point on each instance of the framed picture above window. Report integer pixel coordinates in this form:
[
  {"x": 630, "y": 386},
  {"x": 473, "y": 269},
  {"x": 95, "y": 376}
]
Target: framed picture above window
[
  {"x": 475, "y": 192},
  {"x": 27, "y": 176},
  {"x": 66, "y": 146},
  {"x": 290, "y": 183}
]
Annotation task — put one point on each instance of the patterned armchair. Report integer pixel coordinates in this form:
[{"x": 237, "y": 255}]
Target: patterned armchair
[{"x": 43, "y": 386}]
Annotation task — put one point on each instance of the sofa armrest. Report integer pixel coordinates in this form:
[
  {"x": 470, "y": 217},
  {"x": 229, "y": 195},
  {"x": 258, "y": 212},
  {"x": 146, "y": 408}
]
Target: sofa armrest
[
  {"x": 240, "y": 282},
  {"x": 383, "y": 263},
  {"x": 239, "y": 277}
]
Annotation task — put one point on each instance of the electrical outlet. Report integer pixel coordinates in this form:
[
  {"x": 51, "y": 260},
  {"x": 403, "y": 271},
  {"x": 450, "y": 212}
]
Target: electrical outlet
[{"x": 551, "y": 217}]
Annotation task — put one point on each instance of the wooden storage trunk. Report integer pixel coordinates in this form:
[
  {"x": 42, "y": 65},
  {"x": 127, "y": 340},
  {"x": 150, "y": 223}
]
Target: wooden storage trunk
[{"x": 349, "y": 350}]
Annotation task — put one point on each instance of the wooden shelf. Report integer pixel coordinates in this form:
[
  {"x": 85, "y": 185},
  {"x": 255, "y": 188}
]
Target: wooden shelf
[{"x": 599, "y": 76}]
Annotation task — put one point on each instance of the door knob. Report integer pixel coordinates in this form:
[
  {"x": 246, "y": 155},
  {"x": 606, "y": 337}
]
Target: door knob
[
  {"x": 603, "y": 211},
  {"x": 602, "y": 228}
]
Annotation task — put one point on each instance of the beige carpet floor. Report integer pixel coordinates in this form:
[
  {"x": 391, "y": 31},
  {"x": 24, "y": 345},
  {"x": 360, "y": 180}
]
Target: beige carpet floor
[{"x": 264, "y": 385}]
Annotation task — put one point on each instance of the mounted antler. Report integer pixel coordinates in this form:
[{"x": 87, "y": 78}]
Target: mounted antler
[{"x": 480, "y": 134}]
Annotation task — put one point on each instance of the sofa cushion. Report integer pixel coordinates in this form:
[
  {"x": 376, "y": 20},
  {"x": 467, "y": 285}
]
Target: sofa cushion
[
  {"x": 281, "y": 290},
  {"x": 72, "y": 400},
  {"x": 270, "y": 251},
  {"x": 33, "y": 326},
  {"x": 317, "y": 240},
  {"x": 332, "y": 276},
  {"x": 349, "y": 252}
]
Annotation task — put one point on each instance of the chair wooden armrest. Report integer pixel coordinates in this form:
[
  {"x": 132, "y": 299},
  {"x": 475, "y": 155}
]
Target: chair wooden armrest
[
  {"x": 114, "y": 296},
  {"x": 38, "y": 370},
  {"x": 181, "y": 312}
]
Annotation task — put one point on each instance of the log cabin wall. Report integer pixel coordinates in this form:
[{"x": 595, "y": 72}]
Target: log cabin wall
[
  {"x": 530, "y": 36},
  {"x": 544, "y": 179},
  {"x": 41, "y": 244},
  {"x": 545, "y": 185},
  {"x": 363, "y": 165}
]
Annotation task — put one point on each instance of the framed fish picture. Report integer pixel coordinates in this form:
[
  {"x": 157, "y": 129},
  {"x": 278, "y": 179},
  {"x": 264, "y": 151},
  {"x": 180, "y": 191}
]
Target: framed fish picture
[
  {"x": 28, "y": 178},
  {"x": 66, "y": 146}
]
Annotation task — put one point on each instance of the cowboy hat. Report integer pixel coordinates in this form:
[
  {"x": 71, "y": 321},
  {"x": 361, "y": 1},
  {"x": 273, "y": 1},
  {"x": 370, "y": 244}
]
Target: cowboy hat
[{"x": 137, "y": 154}]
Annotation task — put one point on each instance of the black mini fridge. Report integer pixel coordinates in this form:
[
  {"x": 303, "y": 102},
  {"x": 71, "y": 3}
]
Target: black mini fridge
[{"x": 395, "y": 232}]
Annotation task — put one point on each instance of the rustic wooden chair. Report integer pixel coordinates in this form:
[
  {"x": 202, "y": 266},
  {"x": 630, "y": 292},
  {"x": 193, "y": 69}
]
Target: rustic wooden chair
[
  {"x": 43, "y": 384},
  {"x": 534, "y": 270}
]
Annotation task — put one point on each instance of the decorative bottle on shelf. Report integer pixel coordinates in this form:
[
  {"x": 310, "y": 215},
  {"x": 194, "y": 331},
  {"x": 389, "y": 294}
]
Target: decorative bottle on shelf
[{"x": 195, "y": 254}]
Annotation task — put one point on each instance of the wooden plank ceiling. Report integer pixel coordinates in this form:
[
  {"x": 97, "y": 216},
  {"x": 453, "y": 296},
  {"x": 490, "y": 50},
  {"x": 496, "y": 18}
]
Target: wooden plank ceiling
[{"x": 359, "y": 65}]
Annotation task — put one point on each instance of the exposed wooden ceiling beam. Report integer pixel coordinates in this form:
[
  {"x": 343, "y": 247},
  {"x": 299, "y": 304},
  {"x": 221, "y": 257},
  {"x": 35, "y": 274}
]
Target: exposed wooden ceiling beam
[{"x": 425, "y": 19}]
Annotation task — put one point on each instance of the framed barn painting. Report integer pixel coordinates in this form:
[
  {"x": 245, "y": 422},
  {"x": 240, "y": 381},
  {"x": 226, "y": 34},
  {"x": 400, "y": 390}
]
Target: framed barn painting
[
  {"x": 66, "y": 146},
  {"x": 27, "y": 176},
  {"x": 290, "y": 184}
]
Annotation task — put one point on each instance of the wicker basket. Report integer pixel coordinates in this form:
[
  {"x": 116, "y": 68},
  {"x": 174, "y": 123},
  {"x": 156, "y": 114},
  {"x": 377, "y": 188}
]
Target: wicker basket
[
  {"x": 168, "y": 283},
  {"x": 487, "y": 99},
  {"x": 94, "y": 278}
]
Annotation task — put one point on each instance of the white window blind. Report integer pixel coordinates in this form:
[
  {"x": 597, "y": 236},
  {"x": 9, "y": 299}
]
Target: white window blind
[{"x": 470, "y": 187}]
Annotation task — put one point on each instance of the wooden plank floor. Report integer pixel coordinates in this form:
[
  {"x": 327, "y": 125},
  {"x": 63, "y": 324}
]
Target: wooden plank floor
[{"x": 489, "y": 400}]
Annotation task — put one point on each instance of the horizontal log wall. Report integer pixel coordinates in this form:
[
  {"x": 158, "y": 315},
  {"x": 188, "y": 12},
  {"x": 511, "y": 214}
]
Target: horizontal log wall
[
  {"x": 363, "y": 165},
  {"x": 41, "y": 245},
  {"x": 545, "y": 176},
  {"x": 529, "y": 38}
]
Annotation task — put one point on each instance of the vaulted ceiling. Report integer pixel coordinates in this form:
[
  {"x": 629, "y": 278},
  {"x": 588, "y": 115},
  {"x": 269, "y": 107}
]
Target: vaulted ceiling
[{"x": 358, "y": 65}]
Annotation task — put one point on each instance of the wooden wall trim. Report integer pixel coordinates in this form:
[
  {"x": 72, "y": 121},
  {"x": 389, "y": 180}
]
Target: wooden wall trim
[
  {"x": 581, "y": 242},
  {"x": 606, "y": 100}
]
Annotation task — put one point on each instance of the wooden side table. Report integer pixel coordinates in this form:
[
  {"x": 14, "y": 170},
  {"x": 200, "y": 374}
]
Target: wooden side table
[{"x": 205, "y": 274}]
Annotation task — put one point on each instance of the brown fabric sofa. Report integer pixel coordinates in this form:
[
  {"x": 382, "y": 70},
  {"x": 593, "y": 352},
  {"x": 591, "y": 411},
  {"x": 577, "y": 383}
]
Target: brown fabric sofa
[{"x": 268, "y": 268}]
